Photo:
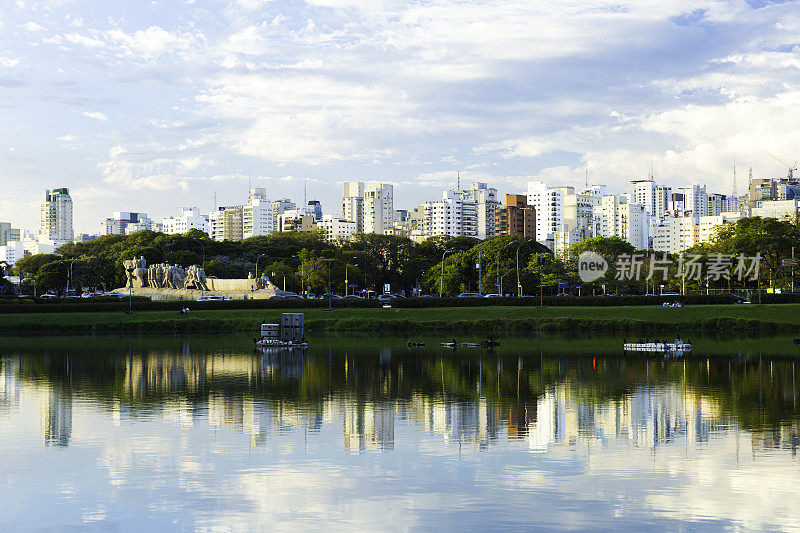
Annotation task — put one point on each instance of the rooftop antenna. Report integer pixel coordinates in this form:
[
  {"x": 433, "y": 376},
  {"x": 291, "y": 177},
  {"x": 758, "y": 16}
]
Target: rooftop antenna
[
  {"x": 458, "y": 180},
  {"x": 734, "y": 174},
  {"x": 305, "y": 191},
  {"x": 652, "y": 175},
  {"x": 587, "y": 175},
  {"x": 215, "y": 200}
]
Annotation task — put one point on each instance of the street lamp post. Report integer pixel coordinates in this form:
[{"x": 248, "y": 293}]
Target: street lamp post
[
  {"x": 510, "y": 270},
  {"x": 480, "y": 275},
  {"x": 519, "y": 282},
  {"x": 497, "y": 270},
  {"x": 257, "y": 258},
  {"x": 441, "y": 279},
  {"x": 130, "y": 292},
  {"x": 69, "y": 275},
  {"x": 284, "y": 279},
  {"x": 329, "y": 283},
  {"x": 204, "y": 250}
]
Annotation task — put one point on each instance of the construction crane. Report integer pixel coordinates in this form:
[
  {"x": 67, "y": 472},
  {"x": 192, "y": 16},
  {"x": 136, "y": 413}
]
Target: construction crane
[{"x": 784, "y": 163}]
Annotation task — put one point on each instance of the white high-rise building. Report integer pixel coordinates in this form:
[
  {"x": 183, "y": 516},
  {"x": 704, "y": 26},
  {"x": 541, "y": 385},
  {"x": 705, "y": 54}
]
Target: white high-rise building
[
  {"x": 190, "y": 218},
  {"x": 695, "y": 200},
  {"x": 337, "y": 228},
  {"x": 644, "y": 193},
  {"x": 486, "y": 203},
  {"x": 549, "y": 206},
  {"x": 125, "y": 223},
  {"x": 353, "y": 203},
  {"x": 617, "y": 217},
  {"x": 675, "y": 234},
  {"x": 708, "y": 226},
  {"x": 257, "y": 216},
  {"x": 56, "y": 217},
  {"x": 779, "y": 209},
  {"x": 452, "y": 216},
  {"x": 579, "y": 223},
  {"x": 278, "y": 208},
  {"x": 663, "y": 197},
  {"x": 378, "y": 207}
]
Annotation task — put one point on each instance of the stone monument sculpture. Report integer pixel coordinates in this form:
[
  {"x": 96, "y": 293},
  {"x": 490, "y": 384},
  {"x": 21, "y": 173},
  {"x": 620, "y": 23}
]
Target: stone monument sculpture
[
  {"x": 195, "y": 278},
  {"x": 136, "y": 272},
  {"x": 170, "y": 281}
]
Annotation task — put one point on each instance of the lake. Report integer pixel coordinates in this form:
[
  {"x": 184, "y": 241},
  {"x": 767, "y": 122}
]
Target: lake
[{"x": 161, "y": 433}]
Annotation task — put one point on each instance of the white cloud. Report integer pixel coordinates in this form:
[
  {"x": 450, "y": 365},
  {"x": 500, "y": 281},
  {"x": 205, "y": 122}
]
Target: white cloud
[
  {"x": 95, "y": 115},
  {"x": 9, "y": 62},
  {"x": 33, "y": 26},
  {"x": 67, "y": 138},
  {"x": 116, "y": 151}
]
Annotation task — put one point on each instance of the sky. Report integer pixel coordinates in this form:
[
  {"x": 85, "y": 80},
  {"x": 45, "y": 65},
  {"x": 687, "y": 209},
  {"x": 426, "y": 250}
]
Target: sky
[{"x": 148, "y": 107}]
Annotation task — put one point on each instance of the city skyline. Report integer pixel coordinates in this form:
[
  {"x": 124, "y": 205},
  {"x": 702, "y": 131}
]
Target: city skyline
[{"x": 148, "y": 109}]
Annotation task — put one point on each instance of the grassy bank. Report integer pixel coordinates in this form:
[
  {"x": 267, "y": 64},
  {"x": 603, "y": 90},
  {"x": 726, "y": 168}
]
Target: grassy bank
[{"x": 645, "y": 319}]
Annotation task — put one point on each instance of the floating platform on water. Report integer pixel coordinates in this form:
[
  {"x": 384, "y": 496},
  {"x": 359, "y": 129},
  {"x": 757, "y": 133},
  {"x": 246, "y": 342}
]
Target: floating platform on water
[{"x": 658, "y": 347}]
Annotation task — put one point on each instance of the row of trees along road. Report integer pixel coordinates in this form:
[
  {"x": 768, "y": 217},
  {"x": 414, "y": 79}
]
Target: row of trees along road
[{"x": 371, "y": 261}]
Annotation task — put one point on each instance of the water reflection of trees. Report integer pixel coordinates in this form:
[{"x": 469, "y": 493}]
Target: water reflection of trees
[{"x": 477, "y": 396}]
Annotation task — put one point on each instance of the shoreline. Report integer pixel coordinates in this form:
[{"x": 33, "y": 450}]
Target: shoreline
[{"x": 784, "y": 318}]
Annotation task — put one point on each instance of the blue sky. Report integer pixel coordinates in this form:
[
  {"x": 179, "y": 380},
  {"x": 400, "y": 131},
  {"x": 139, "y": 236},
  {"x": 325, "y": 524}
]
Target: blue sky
[{"x": 149, "y": 106}]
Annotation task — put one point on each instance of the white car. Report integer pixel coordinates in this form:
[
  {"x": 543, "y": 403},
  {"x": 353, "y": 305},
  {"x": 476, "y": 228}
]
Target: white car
[{"x": 212, "y": 299}]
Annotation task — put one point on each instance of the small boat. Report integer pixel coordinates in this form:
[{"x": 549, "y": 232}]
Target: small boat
[
  {"x": 658, "y": 346},
  {"x": 796, "y": 340},
  {"x": 490, "y": 343},
  {"x": 415, "y": 344},
  {"x": 471, "y": 344},
  {"x": 452, "y": 345}
]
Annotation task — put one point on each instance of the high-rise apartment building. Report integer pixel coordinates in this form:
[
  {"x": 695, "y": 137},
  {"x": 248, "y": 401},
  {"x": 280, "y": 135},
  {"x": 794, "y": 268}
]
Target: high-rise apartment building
[
  {"x": 617, "y": 217},
  {"x": 353, "y": 203},
  {"x": 337, "y": 228},
  {"x": 675, "y": 234},
  {"x": 278, "y": 208},
  {"x": 257, "y": 216},
  {"x": 5, "y": 233},
  {"x": 125, "y": 222},
  {"x": 516, "y": 218},
  {"x": 452, "y": 216},
  {"x": 226, "y": 223},
  {"x": 296, "y": 220},
  {"x": 579, "y": 222},
  {"x": 695, "y": 200},
  {"x": 549, "y": 207},
  {"x": 378, "y": 207},
  {"x": 190, "y": 218},
  {"x": 56, "y": 217},
  {"x": 486, "y": 204},
  {"x": 314, "y": 208}
]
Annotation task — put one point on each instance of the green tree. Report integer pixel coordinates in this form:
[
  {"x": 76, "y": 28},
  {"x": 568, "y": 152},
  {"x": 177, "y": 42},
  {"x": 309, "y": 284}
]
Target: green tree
[{"x": 30, "y": 264}]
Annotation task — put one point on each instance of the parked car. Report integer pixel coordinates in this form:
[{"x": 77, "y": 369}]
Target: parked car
[
  {"x": 736, "y": 299},
  {"x": 212, "y": 298},
  {"x": 115, "y": 294},
  {"x": 353, "y": 297},
  {"x": 46, "y": 295},
  {"x": 492, "y": 295},
  {"x": 331, "y": 295},
  {"x": 470, "y": 295}
]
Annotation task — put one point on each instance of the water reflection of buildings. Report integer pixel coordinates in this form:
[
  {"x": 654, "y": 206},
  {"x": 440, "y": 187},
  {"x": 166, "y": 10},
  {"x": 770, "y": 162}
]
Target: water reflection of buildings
[
  {"x": 262, "y": 395},
  {"x": 368, "y": 425},
  {"x": 54, "y": 401},
  {"x": 473, "y": 422},
  {"x": 645, "y": 417}
]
